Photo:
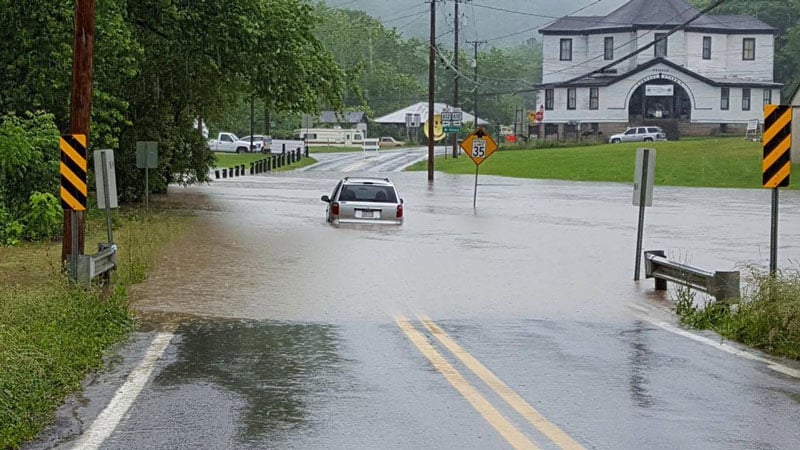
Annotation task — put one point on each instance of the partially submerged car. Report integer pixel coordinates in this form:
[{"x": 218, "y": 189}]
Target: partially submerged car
[{"x": 364, "y": 199}]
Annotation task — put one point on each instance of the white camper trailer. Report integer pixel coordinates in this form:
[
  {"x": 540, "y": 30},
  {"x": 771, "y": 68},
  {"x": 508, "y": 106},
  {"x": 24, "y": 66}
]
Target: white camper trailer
[{"x": 330, "y": 136}]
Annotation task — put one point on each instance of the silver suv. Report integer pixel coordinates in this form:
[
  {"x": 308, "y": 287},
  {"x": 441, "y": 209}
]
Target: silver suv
[
  {"x": 363, "y": 199},
  {"x": 637, "y": 134}
]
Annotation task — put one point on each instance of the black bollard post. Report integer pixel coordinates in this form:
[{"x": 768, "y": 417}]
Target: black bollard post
[
  {"x": 225, "y": 173},
  {"x": 252, "y": 168},
  {"x": 216, "y": 174},
  {"x": 236, "y": 170},
  {"x": 243, "y": 169},
  {"x": 306, "y": 151},
  {"x": 299, "y": 155}
]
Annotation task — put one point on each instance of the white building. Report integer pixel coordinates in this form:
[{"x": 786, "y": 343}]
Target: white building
[{"x": 712, "y": 75}]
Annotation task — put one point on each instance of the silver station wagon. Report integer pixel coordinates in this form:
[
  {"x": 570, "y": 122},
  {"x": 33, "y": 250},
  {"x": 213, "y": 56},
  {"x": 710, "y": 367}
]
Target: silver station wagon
[{"x": 363, "y": 199}]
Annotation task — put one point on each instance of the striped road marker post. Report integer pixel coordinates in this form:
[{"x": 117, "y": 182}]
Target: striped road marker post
[{"x": 776, "y": 165}]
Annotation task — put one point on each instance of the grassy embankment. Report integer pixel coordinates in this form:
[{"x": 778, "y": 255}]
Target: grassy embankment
[
  {"x": 234, "y": 159},
  {"x": 53, "y": 333},
  {"x": 768, "y": 316},
  {"x": 724, "y": 162}
]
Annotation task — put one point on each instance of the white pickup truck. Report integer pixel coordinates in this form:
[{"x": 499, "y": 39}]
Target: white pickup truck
[{"x": 229, "y": 143}]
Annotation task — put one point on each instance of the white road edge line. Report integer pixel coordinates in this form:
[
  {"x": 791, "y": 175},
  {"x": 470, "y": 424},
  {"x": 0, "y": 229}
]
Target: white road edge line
[
  {"x": 107, "y": 421},
  {"x": 718, "y": 345}
]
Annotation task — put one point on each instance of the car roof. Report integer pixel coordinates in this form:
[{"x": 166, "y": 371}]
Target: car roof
[{"x": 367, "y": 180}]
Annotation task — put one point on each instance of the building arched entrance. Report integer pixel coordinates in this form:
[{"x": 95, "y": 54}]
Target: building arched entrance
[{"x": 659, "y": 100}]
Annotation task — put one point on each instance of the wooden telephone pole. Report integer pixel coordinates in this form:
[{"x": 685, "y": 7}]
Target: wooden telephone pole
[
  {"x": 80, "y": 110},
  {"x": 431, "y": 82}
]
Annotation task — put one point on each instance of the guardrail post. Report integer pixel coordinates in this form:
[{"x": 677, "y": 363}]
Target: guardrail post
[
  {"x": 725, "y": 285},
  {"x": 661, "y": 284}
]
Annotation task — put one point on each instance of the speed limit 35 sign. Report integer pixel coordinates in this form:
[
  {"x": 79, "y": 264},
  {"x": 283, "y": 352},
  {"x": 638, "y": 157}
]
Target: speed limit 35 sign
[{"x": 478, "y": 146}]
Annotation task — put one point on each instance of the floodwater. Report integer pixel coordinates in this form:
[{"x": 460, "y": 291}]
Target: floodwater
[{"x": 287, "y": 332}]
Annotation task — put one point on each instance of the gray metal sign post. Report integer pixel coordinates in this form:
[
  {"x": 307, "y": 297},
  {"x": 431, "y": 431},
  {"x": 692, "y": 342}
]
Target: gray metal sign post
[
  {"x": 146, "y": 158},
  {"x": 642, "y": 195},
  {"x": 773, "y": 235}
]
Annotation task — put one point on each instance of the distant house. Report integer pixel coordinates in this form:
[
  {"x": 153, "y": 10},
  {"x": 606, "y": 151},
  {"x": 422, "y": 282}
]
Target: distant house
[
  {"x": 419, "y": 113},
  {"x": 349, "y": 119},
  {"x": 711, "y": 75}
]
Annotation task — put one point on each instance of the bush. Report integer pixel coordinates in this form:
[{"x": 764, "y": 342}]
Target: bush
[
  {"x": 44, "y": 217},
  {"x": 29, "y": 178}
]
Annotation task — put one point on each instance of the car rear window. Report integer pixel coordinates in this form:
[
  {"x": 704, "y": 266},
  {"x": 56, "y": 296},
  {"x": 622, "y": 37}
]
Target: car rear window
[
  {"x": 368, "y": 193},
  {"x": 654, "y": 130}
]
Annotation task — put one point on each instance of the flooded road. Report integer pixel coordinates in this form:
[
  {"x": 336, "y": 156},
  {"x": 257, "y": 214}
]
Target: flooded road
[{"x": 514, "y": 325}]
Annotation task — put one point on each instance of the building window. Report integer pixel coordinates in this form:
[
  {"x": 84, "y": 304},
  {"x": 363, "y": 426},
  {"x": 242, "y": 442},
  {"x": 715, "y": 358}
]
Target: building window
[
  {"x": 706, "y": 47},
  {"x": 767, "y": 96},
  {"x": 548, "y": 99},
  {"x": 725, "y": 101},
  {"x": 571, "y": 98},
  {"x": 594, "y": 98},
  {"x": 608, "y": 48},
  {"x": 566, "y": 50},
  {"x": 749, "y": 49},
  {"x": 745, "y": 99},
  {"x": 661, "y": 45}
]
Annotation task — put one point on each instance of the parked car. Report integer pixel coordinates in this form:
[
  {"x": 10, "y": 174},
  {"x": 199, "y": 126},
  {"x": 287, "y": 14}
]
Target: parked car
[
  {"x": 388, "y": 141},
  {"x": 637, "y": 134},
  {"x": 261, "y": 143},
  {"x": 364, "y": 199},
  {"x": 228, "y": 142}
]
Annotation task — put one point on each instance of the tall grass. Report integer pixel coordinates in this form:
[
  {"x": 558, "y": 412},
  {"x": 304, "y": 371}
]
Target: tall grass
[
  {"x": 53, "y": 332},
  {"x": 767, "y": 317}
]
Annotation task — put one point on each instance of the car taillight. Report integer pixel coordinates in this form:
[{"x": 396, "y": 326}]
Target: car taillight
[
  {"x": 399, "y": 211},
  {"x": 335, "y": 208}
]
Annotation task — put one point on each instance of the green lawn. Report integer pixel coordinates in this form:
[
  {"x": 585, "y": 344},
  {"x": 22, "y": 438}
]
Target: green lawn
[
  {"x": 233, "y": 159},
  {"x": 723, "y": 162}
]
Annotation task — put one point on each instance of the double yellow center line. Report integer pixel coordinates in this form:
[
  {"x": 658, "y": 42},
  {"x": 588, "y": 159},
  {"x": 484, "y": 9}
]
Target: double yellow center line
[{"x": 506, "y": 429}]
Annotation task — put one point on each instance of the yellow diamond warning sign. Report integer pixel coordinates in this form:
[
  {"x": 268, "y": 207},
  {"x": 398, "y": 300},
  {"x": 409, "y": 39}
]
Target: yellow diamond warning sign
[{"x": 479, "y": 145}]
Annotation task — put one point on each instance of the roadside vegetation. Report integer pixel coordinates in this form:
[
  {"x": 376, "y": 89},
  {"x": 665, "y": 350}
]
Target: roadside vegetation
[
  {"x": 712, "y": 162},
  {"x": 53, "y": 332},
  {"x": 767, "y": 317}
]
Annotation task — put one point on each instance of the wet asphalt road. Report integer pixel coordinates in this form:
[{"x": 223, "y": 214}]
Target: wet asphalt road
[{"x": 280, "y": 331}]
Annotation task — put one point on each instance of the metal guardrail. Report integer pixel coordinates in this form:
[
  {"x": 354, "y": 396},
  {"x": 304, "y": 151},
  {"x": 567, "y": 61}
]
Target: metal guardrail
[
  {"x": 90, "y": 266},
  {"x": 721, "y": 285}
]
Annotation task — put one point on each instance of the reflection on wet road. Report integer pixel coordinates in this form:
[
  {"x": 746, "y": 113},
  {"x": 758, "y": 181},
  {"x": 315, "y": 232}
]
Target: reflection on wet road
[{"x": 287, "y": 338}]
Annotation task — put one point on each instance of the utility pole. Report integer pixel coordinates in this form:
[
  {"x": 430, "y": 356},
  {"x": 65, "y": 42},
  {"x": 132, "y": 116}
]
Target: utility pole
[
  {"x": 455, "y": 81},
  {"x": 74, "y": 228},
  {"x": 475, "y": 106},
  {"x": 431, "y": 82}
]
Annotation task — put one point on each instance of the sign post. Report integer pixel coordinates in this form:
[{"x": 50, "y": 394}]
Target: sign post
[
  {"x": 478, "y": 146},
  {"x": 776, "y": 165},
  {"x": 146, "y": 158},
  {"x": 643, "y": 176}
]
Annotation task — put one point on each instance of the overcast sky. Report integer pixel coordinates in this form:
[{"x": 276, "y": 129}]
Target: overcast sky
[{"x": 480, "y": 19}]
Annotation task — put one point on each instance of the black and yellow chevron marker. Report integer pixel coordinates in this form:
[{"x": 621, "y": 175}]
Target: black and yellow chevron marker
[
  {"x": 777, "y": 145},
  {"x": 73, "y": 172}
]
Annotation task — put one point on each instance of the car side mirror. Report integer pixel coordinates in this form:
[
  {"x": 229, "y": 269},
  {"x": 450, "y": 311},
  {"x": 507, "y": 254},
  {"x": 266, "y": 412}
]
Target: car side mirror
[
  {"x": 325, "y": 199},
  {"x": 401, "y": 201}
]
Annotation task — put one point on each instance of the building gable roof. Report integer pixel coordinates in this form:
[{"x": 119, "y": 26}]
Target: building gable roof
[
  {"x": 334, "y": 117},
  {"x": 607, "y": 80},
  {"x": 660, "y": 14}
]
